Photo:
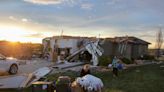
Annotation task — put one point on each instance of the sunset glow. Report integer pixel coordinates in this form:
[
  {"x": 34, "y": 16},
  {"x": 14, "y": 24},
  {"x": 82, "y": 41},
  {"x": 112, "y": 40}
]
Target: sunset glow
[
  {"x": 15, "y": 34},
  {"x": 109, "y": 18}
]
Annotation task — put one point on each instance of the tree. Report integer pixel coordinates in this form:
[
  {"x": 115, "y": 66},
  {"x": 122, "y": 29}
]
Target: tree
[{"x": 159, "y": 42}]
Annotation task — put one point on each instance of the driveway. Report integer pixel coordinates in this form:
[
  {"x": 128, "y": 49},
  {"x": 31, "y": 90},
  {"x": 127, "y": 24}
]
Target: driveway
[{"x": 32, "y": 65}]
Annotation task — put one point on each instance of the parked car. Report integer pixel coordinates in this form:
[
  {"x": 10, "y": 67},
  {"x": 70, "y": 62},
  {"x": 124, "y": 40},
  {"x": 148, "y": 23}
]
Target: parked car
[{"x": 10, "y": 65}]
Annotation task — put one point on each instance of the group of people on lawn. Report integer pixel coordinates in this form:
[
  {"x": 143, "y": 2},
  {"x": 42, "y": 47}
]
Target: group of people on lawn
[
  {"x": 86, "y": 73},
  {"x": 116, "y": 65}
]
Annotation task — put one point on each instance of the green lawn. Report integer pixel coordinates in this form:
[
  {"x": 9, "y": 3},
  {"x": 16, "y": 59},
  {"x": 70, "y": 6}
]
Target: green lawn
[{"x": 148, "y": 78}]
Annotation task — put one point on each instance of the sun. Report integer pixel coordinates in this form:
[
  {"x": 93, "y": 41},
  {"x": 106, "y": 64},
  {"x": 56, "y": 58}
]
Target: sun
[
  {"x": 15, "y": 34},
  {"x": 12, "y": 33}
]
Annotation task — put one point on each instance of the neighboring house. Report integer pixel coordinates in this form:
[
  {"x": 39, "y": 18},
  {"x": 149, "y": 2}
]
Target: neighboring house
[{"x": 129, "y": 47}]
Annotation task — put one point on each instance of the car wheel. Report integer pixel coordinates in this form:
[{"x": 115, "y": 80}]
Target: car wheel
[{"x": 13, "y": 69}]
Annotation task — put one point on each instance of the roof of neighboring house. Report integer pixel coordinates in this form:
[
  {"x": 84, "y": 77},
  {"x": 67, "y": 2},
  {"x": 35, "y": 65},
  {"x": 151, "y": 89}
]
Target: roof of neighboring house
[{"x": 128, "y": 39}]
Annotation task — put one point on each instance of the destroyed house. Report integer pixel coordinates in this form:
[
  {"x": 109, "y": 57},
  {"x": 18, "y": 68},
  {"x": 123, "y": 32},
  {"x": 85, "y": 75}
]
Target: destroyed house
[
  {"x": 129, "y": 47},
  {"x": 67, "y": 45}
]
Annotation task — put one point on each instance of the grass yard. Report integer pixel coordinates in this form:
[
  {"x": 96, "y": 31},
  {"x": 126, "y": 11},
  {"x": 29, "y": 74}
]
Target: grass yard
[{"x": 148, "y": 78}]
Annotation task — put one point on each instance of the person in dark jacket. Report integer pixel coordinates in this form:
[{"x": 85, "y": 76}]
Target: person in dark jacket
[{"x": 85, "y": 70}]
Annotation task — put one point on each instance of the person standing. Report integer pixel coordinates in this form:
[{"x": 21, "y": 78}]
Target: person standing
[
  {"x": 85, "y": 70},
  {"x": 114, "y": 65}
]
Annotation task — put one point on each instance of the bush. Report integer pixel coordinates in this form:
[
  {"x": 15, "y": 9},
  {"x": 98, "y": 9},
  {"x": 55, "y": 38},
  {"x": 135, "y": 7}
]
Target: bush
[
  {"x": 104, "y": 60},
  {"x": 149, "y": 57},
  {"x": 126, "y": 61}
]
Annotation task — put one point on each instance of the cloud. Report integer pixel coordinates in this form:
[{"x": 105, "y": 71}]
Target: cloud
[
  {"x": 146, "y": 35},
  {"x": 87, "y": 6},
  {"x": 35, "y": 35},
  {"x": 24, "y": 20},
  {"x": 70, "y": 3},
  {"x": 44, "y": 2},
  {"x": 113, "y": 2},
  {"x": 12, "y": 18},
  {"x": 17, "y": 19}
]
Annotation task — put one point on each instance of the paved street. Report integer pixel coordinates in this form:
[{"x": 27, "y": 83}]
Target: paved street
[{"x": 33, "y": 65}]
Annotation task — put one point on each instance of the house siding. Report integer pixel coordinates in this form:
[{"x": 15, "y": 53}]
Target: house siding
[
  {"x": 128, "y": 52},
  {"x": 132, "y": 50},
  {"x": 135, "y": 51},
  {"x": 108, "y": 48}
]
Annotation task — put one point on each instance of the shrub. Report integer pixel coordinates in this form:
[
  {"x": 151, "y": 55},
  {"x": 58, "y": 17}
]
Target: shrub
[
  {"x": 104, "y": 60},
  {"x": 149, "y": 57},
  {"x": 126, "y": 61}
]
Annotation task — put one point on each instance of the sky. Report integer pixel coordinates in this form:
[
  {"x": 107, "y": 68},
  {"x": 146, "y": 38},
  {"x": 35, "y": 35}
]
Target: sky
[{"x": 33, "y": 20}]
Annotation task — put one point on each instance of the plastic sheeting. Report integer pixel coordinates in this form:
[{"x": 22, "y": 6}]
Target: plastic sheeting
[{"x": 90, "y": 82}]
